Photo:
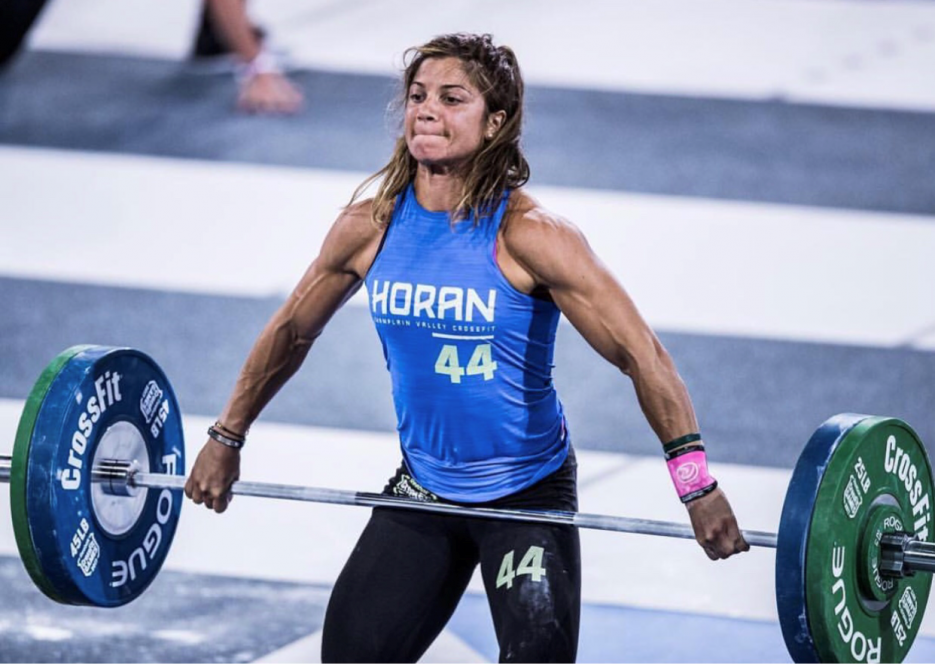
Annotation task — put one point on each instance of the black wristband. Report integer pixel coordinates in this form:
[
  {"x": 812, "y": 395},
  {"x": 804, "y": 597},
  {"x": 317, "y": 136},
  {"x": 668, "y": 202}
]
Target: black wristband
[
  {"x": 230, "y": 433},
  {"x": 678, "y": 442},
  {"x": 215, "y": 434},
  {"x": 684, "y": 450},
  {"x": 687, "y": 498}
]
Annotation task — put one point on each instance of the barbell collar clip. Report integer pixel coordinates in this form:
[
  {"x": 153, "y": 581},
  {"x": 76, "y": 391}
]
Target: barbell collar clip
[{"x": 115, "y": 476}]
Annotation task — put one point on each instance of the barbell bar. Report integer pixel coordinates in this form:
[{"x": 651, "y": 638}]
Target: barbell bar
[
  {"x": 119, "y": 472},
  {"x": 911, "y": 554},
  {"x": 98, "y": 465}
]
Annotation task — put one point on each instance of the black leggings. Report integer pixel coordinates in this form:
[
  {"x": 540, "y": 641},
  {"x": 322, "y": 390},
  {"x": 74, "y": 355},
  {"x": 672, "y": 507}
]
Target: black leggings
[{"x": 409, "y": 570}]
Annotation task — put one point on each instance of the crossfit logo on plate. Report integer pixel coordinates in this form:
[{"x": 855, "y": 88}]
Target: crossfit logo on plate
[
  {"x": 106, "y": 394},
  {"x": 897, "y": 462},
  {"x": 152, "y": 394},
  {"x": 90, "y": 556},
  {"x": 852, "y": 498},
  {"x": 909, "y": 605},
  {"x": 862, "y": 648},
  {"x": 85, "y": 548}
]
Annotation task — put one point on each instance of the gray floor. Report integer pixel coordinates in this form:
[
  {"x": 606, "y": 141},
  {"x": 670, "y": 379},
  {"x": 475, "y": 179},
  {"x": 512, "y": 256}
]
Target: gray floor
[
  {"x": 716, "y": 148},
  {"x": 757, "y": 400},
  {"x": 181, "y": 618},
  {"x": 201, "y": 618}
]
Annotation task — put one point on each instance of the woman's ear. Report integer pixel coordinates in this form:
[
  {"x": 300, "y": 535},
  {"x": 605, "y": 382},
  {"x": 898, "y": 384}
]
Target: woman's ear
[{"x": 494, "y": 122}]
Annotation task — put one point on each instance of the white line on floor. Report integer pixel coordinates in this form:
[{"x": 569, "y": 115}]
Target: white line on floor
[{"x": 692, "y": 265}]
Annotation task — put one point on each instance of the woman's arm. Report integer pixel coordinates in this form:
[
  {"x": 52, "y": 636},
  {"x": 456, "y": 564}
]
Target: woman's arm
[
  {"x": 331, "y": 279},
  {"x": 541, "y": 251}
]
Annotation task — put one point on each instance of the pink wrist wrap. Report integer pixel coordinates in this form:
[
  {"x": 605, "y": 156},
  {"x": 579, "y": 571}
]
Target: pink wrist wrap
[{"x": 689, "y": 473}]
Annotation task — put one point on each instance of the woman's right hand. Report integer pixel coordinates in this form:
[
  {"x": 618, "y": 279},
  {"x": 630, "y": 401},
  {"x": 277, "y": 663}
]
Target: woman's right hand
[{"x": 216, "y": 469}]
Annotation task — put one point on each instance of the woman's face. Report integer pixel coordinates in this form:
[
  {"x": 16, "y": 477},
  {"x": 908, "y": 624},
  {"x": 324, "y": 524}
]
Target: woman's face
[{"x": 446, "y": 115}]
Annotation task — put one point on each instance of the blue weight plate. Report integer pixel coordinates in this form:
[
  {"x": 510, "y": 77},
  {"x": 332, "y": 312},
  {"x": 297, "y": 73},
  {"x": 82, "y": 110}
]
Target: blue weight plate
[
  {"x": 27, "y": 423},
  {"x": 115, "y": 395},
  {"x": 794, "y": 532}
]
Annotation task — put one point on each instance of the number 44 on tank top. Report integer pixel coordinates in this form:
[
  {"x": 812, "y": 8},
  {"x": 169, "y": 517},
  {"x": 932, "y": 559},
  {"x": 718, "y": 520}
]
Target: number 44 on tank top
[
  {"x": 531, "y": 564},
  {"x": 480, "y": 364}
]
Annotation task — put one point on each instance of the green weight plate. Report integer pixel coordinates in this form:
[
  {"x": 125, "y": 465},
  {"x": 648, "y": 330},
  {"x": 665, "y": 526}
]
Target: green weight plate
[
  {"x": 880, "y": 467},
  {"x": 18, "y": 472}
]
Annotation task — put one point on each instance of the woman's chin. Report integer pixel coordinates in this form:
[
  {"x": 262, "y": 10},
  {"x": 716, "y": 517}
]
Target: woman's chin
[
  {"x": 423, "y": 151},
  {"x": 439, "y": 160},
  {"x": 432, "y": 160}
]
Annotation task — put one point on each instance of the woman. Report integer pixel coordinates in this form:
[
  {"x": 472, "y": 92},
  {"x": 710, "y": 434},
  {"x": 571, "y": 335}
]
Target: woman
[{"x": 467, "y": 276}]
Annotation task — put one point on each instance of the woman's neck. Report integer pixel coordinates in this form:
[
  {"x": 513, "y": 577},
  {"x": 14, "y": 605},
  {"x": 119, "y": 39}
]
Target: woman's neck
[{"x": 437, "y": 190}]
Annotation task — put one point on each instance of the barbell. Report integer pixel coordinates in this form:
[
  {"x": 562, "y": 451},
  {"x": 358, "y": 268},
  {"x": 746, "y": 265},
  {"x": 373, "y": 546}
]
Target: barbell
[{"x": 98, "y": 466}]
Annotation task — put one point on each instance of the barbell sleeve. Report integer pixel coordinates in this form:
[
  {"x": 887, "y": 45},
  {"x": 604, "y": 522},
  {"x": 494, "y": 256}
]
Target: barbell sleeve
[
  {"x": 919, "y": 556},
  {"x": 902, "y": 555},
  {"x": 108, "y": 472}
]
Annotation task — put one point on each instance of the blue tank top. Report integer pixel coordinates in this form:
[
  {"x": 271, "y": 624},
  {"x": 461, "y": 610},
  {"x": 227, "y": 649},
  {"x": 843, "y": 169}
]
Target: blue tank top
[{"x": 470, "y": 357}]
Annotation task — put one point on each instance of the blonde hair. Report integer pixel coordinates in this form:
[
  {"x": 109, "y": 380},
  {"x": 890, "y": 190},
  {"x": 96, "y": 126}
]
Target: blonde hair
[{"x": 499, "y": 164}]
